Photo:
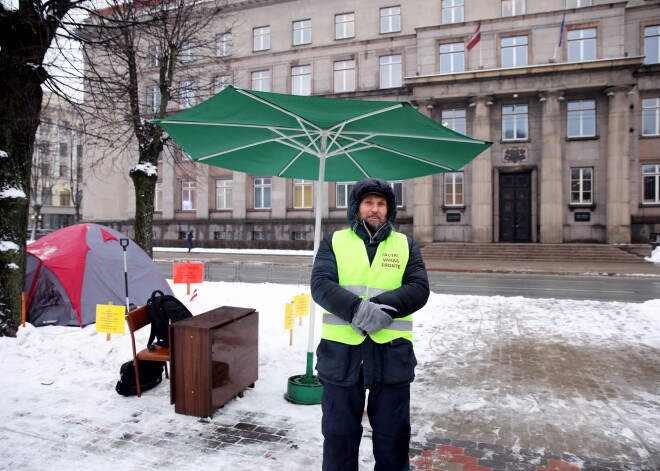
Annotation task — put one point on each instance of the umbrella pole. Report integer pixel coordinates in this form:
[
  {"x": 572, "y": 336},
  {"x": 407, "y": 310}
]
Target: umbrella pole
[{"x": 306, "y": 389}]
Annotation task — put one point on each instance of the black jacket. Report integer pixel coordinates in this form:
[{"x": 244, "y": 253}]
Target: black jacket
[{"x": 390, "y": 363}]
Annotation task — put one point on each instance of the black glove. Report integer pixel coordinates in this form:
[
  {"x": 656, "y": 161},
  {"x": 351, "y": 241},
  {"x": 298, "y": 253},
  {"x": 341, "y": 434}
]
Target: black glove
[{"x": 371, "y": 317}]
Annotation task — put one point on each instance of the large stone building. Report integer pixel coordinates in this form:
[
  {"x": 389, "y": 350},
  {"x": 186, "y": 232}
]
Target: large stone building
[{"x": 568, "y": 91}]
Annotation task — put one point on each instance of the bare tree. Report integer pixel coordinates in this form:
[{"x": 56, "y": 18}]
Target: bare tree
[
  {"x": 140, "y": 58},
  {"x": 27, "y": 29}
]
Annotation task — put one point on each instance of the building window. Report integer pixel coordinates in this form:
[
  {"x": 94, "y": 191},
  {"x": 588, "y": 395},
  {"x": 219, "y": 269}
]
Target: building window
[
  {"x": 64, "y": 149},
  {"x": 301, "y": 80},
  {"x": 220, "y": 235},
  {"x": 261, "y": 38},
  {"x": 153, "y": 99},
  {"x": 397, "y": 188},
  {"x": 581, "y": 118},
  {"x": 223, "y": 194},
  {"x": 652, "y": 44},
  {"x": 299, "y": 236},
  {"x": 581, "y": 44},
  {"x": 390, "y": 20},
  {"x": 220, "y": 83},
  {"x": 513, "y": 7},
  {"x": 454, "y": 189},
  {"x": 262, "y": 190},
  {"x": 514, "y": 122},
  {"x": 651, "y": 117},
  {"x": 578, "y": 3},
  {"x": 187, "y": 94},
  {"x": 452, "y": 11},
  {"x": 302, "y": 194},
  {"x": 344, "y": 76},
  {"x": 651, "y": 175},
  {"x": 188, "y": 195},
  {"x": 455, "y": 120},
  {"x": 154, "y": 55},
  {"x": 514, "y": 51},
  {"x": 581, "y": 185},
  {"x": 345, "y": 26},
  {"x": 158, "y": 197},
  {"x": 223, "y": 45},
  {"x": 390, "y": 71},
  {"x": 342, "y": 192},
  {"x": 452, "y": 58},
  {"x": 188, "y": 51},
  {"x": 65, "y": 197},
  {"x": 261, "y": 80},
  {"x": 302, "y": 32},
  {"x": 64, "y": 170},
  {"x": 259, "y": 235},
  {"x": 46, "y": 195}
]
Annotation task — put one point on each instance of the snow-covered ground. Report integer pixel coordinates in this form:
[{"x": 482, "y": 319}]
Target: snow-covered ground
[{"x": 536, "y": 373}]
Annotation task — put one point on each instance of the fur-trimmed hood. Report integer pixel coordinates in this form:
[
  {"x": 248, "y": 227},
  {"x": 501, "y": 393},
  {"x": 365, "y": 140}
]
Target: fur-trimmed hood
[{"x": 362, "y": 189}]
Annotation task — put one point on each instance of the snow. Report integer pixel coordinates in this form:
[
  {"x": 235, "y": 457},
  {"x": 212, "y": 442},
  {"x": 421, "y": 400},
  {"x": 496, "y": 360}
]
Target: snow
[
  {"x": 147, "y": 168},
  {"x": 12, "y": 193},
  {"x": 59, "y": 408},
  {"x": 3, "y": 154},
  {"x": 6, "y": 246},
  {"x": 655, "y": 256}
]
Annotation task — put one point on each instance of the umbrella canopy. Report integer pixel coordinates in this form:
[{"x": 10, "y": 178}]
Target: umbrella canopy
[
  {"x": 294, "y": 136},
  {"x": 315, "y": 138}
]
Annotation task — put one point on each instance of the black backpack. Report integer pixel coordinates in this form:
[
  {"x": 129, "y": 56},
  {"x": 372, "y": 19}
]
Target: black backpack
[
  {"x": 164, "y": 310},
  {"x": 151, "y": 374}
]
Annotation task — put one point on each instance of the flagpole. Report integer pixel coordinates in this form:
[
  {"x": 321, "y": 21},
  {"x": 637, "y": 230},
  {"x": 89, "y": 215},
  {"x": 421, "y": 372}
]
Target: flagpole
[{"x": 561, "y": 36}]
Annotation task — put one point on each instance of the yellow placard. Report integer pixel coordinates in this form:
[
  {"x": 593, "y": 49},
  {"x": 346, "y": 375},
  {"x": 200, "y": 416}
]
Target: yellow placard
[
  {"x": 288, "y": 317},
  {"x": 301, "y": 304},
  {"x": 110, "y": 319}
]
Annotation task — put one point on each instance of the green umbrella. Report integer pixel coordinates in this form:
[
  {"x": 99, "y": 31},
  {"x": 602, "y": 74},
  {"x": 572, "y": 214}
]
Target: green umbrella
[{"x": 315, "y": 138}]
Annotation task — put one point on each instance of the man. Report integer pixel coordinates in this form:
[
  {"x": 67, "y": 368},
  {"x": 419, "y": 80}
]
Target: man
[
  {"x": 189, "y": 238},
  {"x": 369, "y": 279}
]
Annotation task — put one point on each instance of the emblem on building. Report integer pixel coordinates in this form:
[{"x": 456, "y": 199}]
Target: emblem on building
[{"x": 515, "y": 154}]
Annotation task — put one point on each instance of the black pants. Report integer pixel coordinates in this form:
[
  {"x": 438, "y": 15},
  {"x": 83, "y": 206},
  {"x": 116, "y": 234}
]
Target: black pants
[{"x": 389, "y": 415}]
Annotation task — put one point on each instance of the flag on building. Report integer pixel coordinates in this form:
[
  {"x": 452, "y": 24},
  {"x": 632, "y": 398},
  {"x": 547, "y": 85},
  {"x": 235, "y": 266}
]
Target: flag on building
[
  {"x": 561, "y": 30},
  {"x": 474, "y": 37}
]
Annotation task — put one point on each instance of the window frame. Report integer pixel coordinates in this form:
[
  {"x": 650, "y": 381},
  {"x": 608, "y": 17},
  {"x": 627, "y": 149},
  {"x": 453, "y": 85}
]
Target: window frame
[
  {"x": 188, "y": 52},
  {"x": 188, "y": 194},
  {"x": 449, "y": 11},
  {"x": 578, "y": 3},
  {"x": 262, "y": 187},
  {"x": 306, "y": 198},
  {"x": 223, "y": 45},
  {"x": 454, "y": 56},
  {"x": 514, "y": 118},
  {"x": 580, "y": 42},
  {"x": 301, "y": 82},
  {"x": 654, "y": 177},
  {"x": 397, "y": 189},
  {"x": 154, "y": 54},
  {"x": 261, "y": 38},
  {"x": 389, "y": 75},
  {"x": 186, "y": 94},
  {"x": 513, "y": 8},
  {"x": 344, "y": 189},
  {"x": 583, "y": 116},
  {"x": 345, "y": 25},
  {"x": 652, "y": 38},
  {"x": 514, "y": 49},
  {"x": 254, "y": 79},
  {"x": 154, "y": 98},
  {"x": 390, "y": 19},
  {"x": 454, "y": 190},
  {"x": 577, "y": 186},
  {"x": 451, "y": 118},
  {"x": 224, "y": 189},
  {"x": 346, "y": 74},
  {"x": 303, "y": 34},
  {"x": 219, "y": 84},
  {"x": 653, "y": 116}
]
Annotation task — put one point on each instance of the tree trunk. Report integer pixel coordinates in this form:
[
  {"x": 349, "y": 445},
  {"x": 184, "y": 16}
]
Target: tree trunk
[{"x": 145, "y": 189}]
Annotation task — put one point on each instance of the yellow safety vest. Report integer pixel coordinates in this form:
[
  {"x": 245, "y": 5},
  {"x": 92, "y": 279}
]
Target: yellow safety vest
[{"x": 365, "y": 280}]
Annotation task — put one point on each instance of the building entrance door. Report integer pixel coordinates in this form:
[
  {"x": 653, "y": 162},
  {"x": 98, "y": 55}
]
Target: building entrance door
[{"x": 515, "y": 207}]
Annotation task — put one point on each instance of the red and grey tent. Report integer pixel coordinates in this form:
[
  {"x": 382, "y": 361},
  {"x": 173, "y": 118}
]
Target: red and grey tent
[{"x": 71, "y": 270}]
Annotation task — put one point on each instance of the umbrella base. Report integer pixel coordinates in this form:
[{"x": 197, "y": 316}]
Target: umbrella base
[{"x": 303, "y": 389}]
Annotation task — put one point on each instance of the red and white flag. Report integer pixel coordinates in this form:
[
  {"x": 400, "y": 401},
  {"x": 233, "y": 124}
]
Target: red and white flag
[{"x": 474, "y": 37}]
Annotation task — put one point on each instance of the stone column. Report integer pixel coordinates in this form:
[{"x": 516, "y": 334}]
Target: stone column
[
  {"x": 423, "y": 200},
  {"x": 618, "y": 166},
  {"x": 482, "y": 175},
  {"x": 169, "y": 187},
  {"x": 239, "y": 196},
  {"x": 551, "y": 208},
  {"x": 202, "y": 178},
  {"x": 278, "y": 198}
]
